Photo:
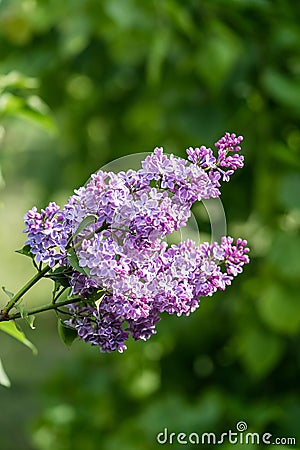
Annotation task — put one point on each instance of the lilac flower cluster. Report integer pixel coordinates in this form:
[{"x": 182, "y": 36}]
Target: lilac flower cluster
[
  {"x": 46, "y": 233},
  {"x": 205, "y": 157},
  {"x": 116, "y": 225}
]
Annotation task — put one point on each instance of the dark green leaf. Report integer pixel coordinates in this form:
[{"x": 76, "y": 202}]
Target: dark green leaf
[
  {"x": 61, "y": 276},
  {"x": 25, "y": 251},
  {"x": 31, "y": 108},
  {"x": 73, "y": 260},
  {"x": 96, "y": 295},
  {"x": 289, "y": 189},
  {"x": 259, "y": 350},
  {"x": 66, "y": 333},
  {"x": 95, "y": 298},
  {"x": 286, "y": 244},
  {"x": 283, "y": 89},
  {"x": 279, "y": 308}
]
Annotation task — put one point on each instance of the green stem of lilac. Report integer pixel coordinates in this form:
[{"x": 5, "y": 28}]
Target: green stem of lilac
[
  {"x": 43, "y": 308},
  {"x": 17, "y": 297}
]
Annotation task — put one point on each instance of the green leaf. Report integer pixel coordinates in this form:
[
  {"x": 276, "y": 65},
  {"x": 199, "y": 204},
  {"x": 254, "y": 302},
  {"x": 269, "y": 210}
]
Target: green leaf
[
  {"x": 66, "y": 333},
  {"x": 284, "y": 254},
  {"x": 4, "y": 380},
  {"x": 8, "y": 293},
  {"x": 96, "y": 295},
  {"x": 73, "y": 260},
  {"x": 289, "y": 189},
  {"x": 283, "y": 154},
  {"x": 25, "y": 251},
  {"x": 96, "y": 298},
  {"x": 282, "y": 88},
  {"x": 17, "y": 103},
  {"x": 88, "y": 220},
  {"x": 10, "y": 104},
  {"x": 98, "y": 302},
  {"x": 279, "y": 308},
  {"x": 45, "y": 121},
  {"x": 158, "y": 52},
  {"x": 216, "y": 59},
  {"x": 17, "y": 80},
  {"x": 61, "y": 276},
  {"x": 259, "y": 350},
  {"x": 11, "y": 329}
]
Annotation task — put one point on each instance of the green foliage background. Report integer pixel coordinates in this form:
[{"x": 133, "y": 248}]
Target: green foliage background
[{"x": 121, "y": 77}]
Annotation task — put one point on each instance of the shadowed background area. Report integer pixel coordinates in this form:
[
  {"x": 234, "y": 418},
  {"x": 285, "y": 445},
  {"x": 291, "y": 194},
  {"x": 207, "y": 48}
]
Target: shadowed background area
[{"x": 98, "y": 80}]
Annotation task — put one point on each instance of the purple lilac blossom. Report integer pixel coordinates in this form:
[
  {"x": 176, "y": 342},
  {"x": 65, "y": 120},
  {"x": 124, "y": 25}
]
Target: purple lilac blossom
[
  {"x": 46, "y": 233},
  {"x": 205, "y": 158},
  {"x": 121, "y": 249}
]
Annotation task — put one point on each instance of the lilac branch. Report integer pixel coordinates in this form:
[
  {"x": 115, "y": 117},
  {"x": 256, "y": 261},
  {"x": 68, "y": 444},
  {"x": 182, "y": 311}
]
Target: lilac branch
[
  {"x": 40, "y": 309},
  {"x": 18, "y": 296}
]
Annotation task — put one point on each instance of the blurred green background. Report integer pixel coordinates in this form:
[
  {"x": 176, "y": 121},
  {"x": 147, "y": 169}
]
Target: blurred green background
[{"x": 121, "y": 77}]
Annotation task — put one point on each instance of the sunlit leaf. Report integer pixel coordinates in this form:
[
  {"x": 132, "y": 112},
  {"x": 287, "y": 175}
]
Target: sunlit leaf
[
  {"x": 10, "y": 104},
  {"x": 215, "y": 60},
  {"x": 43, "y": 120},
  {"x": 15, "y": 79},
  {"x": 4, "y": 380},
  {"x": 30, "y": 107},
  {"x": 11, "y": 329},
  {"x": 99, "y": 300}
]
